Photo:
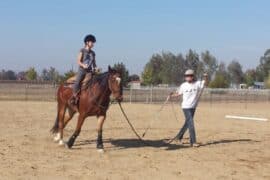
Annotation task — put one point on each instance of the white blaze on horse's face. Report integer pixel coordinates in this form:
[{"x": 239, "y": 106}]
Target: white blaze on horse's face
[{"x": 118, "y": 79}]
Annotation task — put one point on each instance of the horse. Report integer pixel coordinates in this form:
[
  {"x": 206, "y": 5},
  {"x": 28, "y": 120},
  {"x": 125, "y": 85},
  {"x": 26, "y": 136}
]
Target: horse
[{"x": 94, "y": 101}]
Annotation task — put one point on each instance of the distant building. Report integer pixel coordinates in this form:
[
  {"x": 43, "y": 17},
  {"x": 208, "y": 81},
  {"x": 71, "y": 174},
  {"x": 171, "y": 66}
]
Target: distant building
[
  {"x": 135, "y": 84},
  {"x": 163, "y": 85},
  {"x": 235, "y": 86},
  {"x": 243, "y": 86},
  {"x": 258, "y": 85}
]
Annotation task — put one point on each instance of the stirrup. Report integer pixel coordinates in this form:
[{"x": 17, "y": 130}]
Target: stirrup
[{"x": 73, "y": 100}]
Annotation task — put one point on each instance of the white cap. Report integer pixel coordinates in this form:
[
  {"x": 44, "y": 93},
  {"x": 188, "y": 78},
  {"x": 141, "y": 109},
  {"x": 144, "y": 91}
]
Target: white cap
[{"x": 189, "y": 72}]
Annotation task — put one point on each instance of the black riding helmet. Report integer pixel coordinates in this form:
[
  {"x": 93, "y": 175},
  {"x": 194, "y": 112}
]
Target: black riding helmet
[{"x": 90, "y": 37}]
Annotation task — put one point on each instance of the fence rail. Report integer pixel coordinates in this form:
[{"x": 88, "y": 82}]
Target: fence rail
[{"x": 47, "y": 92}]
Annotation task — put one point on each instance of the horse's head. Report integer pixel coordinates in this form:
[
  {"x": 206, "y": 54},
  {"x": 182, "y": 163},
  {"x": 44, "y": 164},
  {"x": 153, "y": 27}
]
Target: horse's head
[{"x": 115, "y": 84}]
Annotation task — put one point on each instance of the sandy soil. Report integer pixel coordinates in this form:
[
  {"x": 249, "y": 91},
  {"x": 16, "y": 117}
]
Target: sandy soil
[{"x": 231, "y": 149}]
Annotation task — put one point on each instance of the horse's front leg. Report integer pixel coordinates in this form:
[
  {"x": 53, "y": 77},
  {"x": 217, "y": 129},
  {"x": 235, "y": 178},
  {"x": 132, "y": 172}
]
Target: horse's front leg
[
  {"x": 100, "y": 123},
  {"x": 72, "y": 139}
]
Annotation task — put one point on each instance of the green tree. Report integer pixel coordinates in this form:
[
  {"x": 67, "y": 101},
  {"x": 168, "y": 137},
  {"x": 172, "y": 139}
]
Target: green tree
[
  {"x": 192, "y": 61},
  {"x": 9, "y": 75},
  {"x": 263, "y": 69},
  {"x": 51, "y": 75},
  {"x": 123, "y": 71},
  {"x": 151, "y": 73},
  {"x": 147, "y": 74},
  {"x": 31, "y": 74},
  {"x": 21, "y": 75},
  {"x": 235, "y": 72},
  {"x": 172, "y": 69},
  {"x": 250, "y": 77},
  {"x": 221, "y": 77},
  {"x": 165, "y": 68},
  {"x": 54, "y": 75},
  {"x": 134, "y": 77},
  {"x": 219, "y": 82},
  {"x": 45, "y": 75},
  {"x": 267, "y": 82},
  {"x": 210, "y": 64}
]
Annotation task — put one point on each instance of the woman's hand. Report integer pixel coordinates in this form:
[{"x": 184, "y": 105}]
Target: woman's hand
[
  {"x": 174, "y": 95},
  {"x": 168, "y": 98},
  {"x": 206, "y": 79}
]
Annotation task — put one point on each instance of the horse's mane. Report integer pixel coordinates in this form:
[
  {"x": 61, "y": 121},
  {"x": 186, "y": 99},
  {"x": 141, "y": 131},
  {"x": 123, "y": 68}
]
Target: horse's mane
[{"x": 99, "y": 78}]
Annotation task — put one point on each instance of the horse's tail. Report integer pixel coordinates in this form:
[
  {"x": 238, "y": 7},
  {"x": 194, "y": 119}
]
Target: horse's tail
[
  {"x": 55, "y": 126},
  {"x": 56, "y": 123}
]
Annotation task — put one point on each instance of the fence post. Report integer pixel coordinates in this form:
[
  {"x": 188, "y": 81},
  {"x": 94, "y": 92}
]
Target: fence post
[
  {"x": 211, "y": 98},
  {"x": 130, "y": 95},
  {"x": 55, "y": 93},
  {"x": 151, "y": 94},
  {"x": 268, "y": 95},
  {"x": 246, "y": 96},
  {"x": 26, "y": 92}
]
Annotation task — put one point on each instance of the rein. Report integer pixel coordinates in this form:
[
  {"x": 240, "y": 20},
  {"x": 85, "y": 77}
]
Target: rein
[
  {"x": 130, "y": 124},
  {"x": 152, "y": 121}
]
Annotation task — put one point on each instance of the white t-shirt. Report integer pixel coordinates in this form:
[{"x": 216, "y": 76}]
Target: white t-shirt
[{"x": 191, "y": 93}]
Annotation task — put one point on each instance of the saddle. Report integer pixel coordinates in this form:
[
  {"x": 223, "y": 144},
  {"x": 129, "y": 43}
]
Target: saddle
[{"x": 70, "y": 81}]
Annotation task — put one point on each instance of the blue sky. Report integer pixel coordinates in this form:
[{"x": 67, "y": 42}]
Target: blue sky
[{"x": 49, "y": 33}]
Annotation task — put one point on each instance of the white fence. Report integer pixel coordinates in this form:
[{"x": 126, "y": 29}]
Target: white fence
[
  {"x": 47, "y": 92},
  {"x": 155, "y": 95}
]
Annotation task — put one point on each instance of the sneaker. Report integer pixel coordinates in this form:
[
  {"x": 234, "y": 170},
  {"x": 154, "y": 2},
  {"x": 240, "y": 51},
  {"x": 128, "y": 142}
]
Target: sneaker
[
  {"x": 195, "y": 145},
  {"x": 180, "y": 141}
]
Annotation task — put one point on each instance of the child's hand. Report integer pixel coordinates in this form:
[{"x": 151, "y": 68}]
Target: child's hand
[
  {"x": 97, "y": 70},
  {"x": 84, "y": 66}
]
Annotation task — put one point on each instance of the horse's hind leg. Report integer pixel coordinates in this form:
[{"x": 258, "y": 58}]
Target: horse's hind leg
[
  {"x": 68, "y": 116},
  {"x": 61, "y": 115}
]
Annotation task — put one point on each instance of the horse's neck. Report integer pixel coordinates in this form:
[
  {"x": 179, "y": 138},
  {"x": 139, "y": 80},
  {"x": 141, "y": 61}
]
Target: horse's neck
[{"x": 102, "y": 91}]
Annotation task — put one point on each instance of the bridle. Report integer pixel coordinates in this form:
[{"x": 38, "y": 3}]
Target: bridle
[
  {"x": 118, "y": 79},
  {"x": 95, "y": 100}
]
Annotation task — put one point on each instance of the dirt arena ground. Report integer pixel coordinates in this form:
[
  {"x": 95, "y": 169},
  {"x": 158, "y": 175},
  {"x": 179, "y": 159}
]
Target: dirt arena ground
[{"x": 231, "y": 149}]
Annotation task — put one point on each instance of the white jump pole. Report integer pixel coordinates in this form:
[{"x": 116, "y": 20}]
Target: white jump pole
[{"x": 246, "y": 118}]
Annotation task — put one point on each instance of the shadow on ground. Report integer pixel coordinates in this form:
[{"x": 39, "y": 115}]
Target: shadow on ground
[
  {"x": 228, "y": 141},
  {"x": 136, "y": 143},
  {"x": 133, "y": 143}
]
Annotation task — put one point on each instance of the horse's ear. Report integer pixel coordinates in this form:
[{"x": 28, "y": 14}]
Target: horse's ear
[{"x": 109, "y": 68}]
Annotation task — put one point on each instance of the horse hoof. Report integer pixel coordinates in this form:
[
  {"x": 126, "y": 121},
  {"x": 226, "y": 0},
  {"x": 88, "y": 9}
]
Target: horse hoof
[
  {"x": 100, "y": 150},
  {"x": 57, "y": 137},
  {"x": 61, "y": 143},
  {"x": 68, "y": 146}
]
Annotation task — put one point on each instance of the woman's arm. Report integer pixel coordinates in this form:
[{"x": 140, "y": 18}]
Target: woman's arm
[
  {"x": 175, "y": 94},
  {"x": 206, "y": 79}
]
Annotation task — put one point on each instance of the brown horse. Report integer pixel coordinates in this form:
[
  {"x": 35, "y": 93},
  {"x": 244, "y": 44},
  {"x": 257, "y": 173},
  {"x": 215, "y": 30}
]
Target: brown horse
[{"x": 94, "y": 101}]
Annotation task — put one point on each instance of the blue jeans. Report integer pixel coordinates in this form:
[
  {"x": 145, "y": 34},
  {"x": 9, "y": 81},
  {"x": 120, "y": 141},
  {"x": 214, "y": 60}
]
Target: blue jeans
[
  {"x": 79, "y": 78},
  {"x": 189, "y": 124}
]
